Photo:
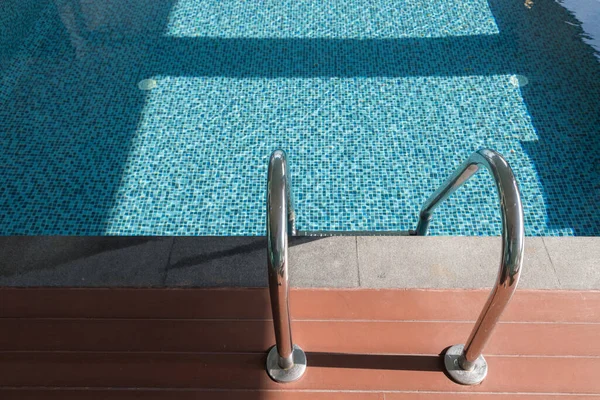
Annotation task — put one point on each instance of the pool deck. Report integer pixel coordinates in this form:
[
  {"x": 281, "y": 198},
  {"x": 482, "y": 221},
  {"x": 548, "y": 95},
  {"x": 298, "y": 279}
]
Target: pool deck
[
  {"x": 332, "y": 262},
  {"x": 360, "y": 344},
  {"x": 374, "y": 314}
]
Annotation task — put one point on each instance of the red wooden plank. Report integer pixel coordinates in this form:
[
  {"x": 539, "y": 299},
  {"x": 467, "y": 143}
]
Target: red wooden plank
[
  {"x": 326, "y": 372},
  {"x": 140, "y": 394},
  {"x": 347, "y": 304},
  {"x": 166, "y": 394},
  {"x": 315, "y": 336}
]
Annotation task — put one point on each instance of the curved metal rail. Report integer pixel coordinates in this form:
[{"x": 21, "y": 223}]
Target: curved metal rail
[
  {"x": 285, "y": 362},
  {"x": 465, "y": 363}
]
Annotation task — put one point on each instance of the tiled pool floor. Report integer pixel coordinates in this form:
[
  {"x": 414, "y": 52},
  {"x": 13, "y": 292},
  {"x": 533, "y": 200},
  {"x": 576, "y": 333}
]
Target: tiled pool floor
[{"x": 375, "y": 102}]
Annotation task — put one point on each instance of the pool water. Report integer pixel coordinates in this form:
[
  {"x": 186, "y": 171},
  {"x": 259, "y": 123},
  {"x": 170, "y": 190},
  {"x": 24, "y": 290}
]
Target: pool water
[{"x": 135, "y": 117}]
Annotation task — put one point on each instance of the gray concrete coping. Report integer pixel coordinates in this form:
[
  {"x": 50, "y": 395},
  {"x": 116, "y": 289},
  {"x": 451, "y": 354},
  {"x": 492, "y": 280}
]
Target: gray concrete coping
[{"x": 327, "y": 262}]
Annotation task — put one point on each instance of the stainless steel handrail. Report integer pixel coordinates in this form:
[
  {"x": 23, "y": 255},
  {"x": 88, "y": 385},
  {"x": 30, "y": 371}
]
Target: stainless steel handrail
[
  {"x": 286, "y": 362},
  {"x": 465, "y": 363}
]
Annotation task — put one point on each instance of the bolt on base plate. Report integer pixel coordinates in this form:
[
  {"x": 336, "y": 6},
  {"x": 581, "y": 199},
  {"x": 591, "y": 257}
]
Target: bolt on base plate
[
  {"x": 459, "y": 375},
  {"x": 292, "y": 374}
]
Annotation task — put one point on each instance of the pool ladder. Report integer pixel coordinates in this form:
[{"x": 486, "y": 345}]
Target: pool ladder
[{"x": 286, "y": 362}]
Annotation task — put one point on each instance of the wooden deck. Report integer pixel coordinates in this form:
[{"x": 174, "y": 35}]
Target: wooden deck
[{"x": 163, "y": 344}]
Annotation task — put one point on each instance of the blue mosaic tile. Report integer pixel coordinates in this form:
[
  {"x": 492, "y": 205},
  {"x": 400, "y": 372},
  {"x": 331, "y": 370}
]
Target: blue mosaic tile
[
  {"x": 330, "y": 19},
  {"x": 375, "y": 103}
]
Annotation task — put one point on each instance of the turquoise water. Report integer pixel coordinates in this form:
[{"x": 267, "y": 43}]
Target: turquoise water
[{"x": 375, "y": 103}]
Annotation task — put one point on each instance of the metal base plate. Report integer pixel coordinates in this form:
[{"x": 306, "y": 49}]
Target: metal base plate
[
  {"x": 459, "y": 375},
  {"x": 292, "y": 374}
]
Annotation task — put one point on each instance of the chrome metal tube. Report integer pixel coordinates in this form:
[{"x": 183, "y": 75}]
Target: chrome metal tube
[
  {"x": 286, "y": 362},
  {"x": 512, "y": 243},
  {"x": 278, "y": 194}
]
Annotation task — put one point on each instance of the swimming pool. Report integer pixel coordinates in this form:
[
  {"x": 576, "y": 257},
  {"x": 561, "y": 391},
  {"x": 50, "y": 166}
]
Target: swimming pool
[{"x": 375, "y": 103}]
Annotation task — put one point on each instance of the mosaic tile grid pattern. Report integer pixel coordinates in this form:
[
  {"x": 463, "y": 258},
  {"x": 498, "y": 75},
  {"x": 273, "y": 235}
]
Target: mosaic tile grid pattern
[
  {"x": 340, "y": 19},
  {"x": 373, "y": 115}
]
